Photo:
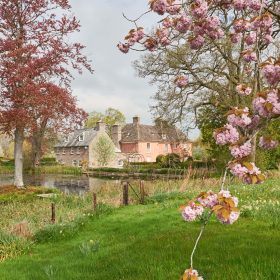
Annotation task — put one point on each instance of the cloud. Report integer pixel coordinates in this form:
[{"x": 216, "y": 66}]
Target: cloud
[{"x": 114, "y": 82}]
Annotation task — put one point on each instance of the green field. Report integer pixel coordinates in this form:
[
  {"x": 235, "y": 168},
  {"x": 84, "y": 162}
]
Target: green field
[{"x": 152, "y": 242}]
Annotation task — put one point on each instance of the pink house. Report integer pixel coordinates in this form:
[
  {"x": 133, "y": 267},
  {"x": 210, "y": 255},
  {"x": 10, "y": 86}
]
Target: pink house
[{"x": 141, "y": 142}]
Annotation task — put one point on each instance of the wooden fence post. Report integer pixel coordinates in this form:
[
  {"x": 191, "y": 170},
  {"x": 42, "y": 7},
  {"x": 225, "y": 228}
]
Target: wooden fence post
[
  {"x": 53, "y": 213},
  {"x": 142, "y": 192},
  {"x": 125, "y": 193},
  {"x": 94, "y": 201}
]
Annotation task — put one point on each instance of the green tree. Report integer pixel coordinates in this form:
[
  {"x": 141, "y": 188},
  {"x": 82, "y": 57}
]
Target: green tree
[
  {"x": 111, "y": 117},
  {"x": 104, "y": 150}
]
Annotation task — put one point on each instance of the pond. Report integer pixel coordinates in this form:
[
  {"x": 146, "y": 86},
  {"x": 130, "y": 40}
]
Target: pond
[{"x": 66, "y": 183}]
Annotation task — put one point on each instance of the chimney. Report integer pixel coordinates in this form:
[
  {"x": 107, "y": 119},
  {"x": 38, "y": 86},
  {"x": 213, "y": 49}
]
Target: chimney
[
  {"x": 116, "y": 135},
  {"x": 136, "y": 120},
  {"x": 100, "y": 126}
]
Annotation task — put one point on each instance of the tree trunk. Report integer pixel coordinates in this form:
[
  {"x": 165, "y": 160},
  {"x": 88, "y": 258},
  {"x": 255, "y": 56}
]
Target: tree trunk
[
  {"x": 18, "y": 154},
  {"x": 36, "y": 150}
]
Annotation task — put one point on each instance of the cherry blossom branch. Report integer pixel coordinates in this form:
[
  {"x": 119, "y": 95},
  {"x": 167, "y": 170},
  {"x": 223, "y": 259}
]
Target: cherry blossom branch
[{"x": 199, "y": 236}]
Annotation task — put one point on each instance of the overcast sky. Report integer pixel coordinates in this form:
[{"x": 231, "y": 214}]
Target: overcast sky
[{"x": 114, "y": 82}]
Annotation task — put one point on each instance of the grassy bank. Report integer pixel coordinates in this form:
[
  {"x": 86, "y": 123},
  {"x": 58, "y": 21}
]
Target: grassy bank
[{"x": 152, "y": 241}]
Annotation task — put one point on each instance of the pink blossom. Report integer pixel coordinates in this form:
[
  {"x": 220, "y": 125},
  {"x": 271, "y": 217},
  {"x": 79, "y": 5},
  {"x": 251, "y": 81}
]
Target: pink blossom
[
  {"x": 267, "y": 143},
  {"x": 239, "y": 117},
  {"x": 226, "y": 135},
  {"x": 267, "y": 104},
  {"x": 226, "y": 194},
  {"x": 208, "y": 200},
  {"x": 235, "y": 37},
  {"x": 181, "y": 81},
  {"x": 233, "y": 217},
  {"x": 267, "y": 39},
  {"x": 238, "y": 170},
  {"x": 255, "y": 5},
  {"x": 158, "y": 6},
  {"x": 271, "y": 73},
  {"x": 249, "y": 56},
  {"x": 123, "y": 47},
  {"x": 191, "y": 212},
  {"x": 251, "y": 38},
  {"x": 196, "y": 42},
  {"x": 239, "y": 5},
  {"x": 183, "y": 24},
  {"x": 173, "y": 8},
  {"x": 243, "y": 90},
  {"x": 263, "y": 22},
  {"x": 241, "y": 25},
  {"x": 242, "y": 150},
  {"x": 163, "y": 36},
  {"x": 191, "y": 274},
  {"x": 167, "y": 22},
  {"x": 151, "y": 44},
  {"x": 199, "y": 8}
]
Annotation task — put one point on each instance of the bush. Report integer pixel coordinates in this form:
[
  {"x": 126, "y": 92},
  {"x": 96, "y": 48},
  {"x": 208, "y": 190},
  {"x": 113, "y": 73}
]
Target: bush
[
  {"x": 48, "y": 161},
  {"x": 170, "y": 161}
]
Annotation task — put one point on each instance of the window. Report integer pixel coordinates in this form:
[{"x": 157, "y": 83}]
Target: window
[
  {"x": 148, "y": 147},
  {"x": 63, "y": 151},
  {"x": 78, "y": 150},
  {"x": 80, "y": 163},
  {"x": 120, "y": 162},
  {"x": 166, "y": 148},
  {"x": 72, "y": 150},
  {"x": 164, "y": 136},
  {"x": 66, "y": 139},
  {"x": 81, "y": 137},
  {"x": 74, "y": 162}
]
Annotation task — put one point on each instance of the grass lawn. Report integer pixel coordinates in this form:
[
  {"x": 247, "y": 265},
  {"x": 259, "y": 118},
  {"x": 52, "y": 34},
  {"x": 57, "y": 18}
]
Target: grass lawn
[{"x": 153, "y": 242}]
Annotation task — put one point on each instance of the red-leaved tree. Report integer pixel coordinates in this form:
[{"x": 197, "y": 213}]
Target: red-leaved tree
[{"x": 34, "y": 57}]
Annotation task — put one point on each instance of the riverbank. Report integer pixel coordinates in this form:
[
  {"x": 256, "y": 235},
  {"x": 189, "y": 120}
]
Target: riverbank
[{"x": 154, "y": 242}]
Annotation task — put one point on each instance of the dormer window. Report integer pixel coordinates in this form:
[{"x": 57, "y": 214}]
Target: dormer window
[
  {"x": 81, "y": 137},
  {"x": 66, "y": 139},
  {"x": 164, "y": 136}
]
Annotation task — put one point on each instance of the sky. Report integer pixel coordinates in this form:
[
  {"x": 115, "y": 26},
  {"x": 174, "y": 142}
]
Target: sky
[{"x": 114, "y": 82}]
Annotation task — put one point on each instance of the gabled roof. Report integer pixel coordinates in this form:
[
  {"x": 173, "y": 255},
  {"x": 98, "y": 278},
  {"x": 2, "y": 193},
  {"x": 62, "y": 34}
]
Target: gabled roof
[
  {"x": 135, "y": 132},
  {"x": 73, "y": 139}
]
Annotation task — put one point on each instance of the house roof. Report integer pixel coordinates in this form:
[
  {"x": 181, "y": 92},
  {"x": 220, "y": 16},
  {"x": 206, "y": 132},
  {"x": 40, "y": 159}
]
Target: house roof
[
  {"x": 135, "y": 132},
  {"x": 73, "y": 140}
]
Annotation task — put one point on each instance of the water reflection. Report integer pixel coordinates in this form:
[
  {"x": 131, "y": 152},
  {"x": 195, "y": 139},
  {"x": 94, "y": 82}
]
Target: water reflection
[{"x": 66, "y": 183}]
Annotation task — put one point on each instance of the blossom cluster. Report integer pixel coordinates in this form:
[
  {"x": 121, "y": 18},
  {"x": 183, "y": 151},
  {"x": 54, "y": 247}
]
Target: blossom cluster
[
  {"x": 267, "y": 103},
  {"x": 223, "y": 204},
  {"x": 243, "y": 90},
  {"x": 239, "y": 117},
  {"x": 181, "y": 81},
  {"x": 267, "y": 143},
  {"x": 191, "y": 274},
  {"x": 271, "y": 72},
  {"x": 241, "y": 151},
  {"x": 226, "y": 135},
  {"x": 247, "y": 171}
]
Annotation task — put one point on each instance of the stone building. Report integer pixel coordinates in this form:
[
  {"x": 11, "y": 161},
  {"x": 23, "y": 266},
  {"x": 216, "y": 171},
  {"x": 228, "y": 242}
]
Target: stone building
[{"x": 78, "y": 147}]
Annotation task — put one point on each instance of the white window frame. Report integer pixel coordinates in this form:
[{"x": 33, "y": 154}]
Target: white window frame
[
  {"x": 81, "y": 137},
  {"x": 63, "y": 151},
  {"x": 75, "y": 162},
  {"x": 78, "y": 151},
  {"x": 72, "y": 151}
]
